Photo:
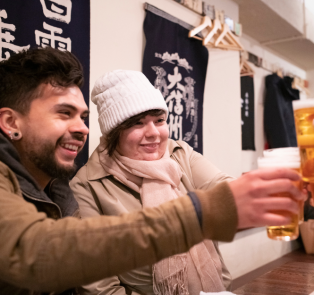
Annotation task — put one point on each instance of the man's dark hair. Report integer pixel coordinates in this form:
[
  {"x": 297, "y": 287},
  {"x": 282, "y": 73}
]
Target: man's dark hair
[
  {"x": 112, "y": 139},
  {"x": 22, "y": 73}
]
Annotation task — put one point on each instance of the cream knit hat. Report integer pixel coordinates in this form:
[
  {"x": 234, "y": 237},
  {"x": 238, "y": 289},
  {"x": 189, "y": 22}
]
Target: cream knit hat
[{"x": 122, "y": 94}]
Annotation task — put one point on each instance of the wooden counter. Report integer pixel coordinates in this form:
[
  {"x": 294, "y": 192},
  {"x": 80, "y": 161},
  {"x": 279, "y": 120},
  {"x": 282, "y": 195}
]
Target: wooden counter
[{"x": 290, "y": 274}]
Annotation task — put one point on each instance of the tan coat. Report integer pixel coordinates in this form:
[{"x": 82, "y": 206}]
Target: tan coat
[
  {"x": 101, "y": 194},
  {"x": 42, "y": 254}
]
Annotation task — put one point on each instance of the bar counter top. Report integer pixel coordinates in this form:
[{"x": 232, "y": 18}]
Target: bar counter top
[{"x": 291, "y": 274}]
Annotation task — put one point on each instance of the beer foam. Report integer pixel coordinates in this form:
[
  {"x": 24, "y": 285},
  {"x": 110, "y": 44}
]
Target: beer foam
[
  {"x": 286, "y": 152},
  {"x": 303, "y": 104},
  {"x": 282, "y": 162}
]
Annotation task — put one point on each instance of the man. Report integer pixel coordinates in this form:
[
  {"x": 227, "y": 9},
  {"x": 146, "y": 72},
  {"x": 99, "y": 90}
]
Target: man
[{"x": 43, "y": 247}]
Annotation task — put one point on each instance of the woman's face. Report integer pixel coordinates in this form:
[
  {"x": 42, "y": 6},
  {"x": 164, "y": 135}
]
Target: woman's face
[{"x": 146, "y": 140}]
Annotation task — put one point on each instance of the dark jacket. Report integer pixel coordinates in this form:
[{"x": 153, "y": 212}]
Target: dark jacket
[{"x": 278, "y": 113}]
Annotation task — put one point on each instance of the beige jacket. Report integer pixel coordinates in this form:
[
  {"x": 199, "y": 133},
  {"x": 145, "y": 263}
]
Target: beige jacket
[
  {"x": 43, "y": 254},
  {"x": 101, "y": 194}
]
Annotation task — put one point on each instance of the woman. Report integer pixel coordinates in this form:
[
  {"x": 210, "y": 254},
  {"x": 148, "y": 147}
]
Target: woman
[{"x": 135, "y": 166}]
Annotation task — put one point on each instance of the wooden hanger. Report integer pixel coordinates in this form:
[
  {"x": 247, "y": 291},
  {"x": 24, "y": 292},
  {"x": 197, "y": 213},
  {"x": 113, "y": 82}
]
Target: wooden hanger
[
  {"x": 298, "y": 84},
  {"x": 224, "y": 40},
  {"x": 245, "y": 69},
  {"x": 230, "y": 39},
  {"x": 206, "y": 22},
  {"x": 215, "y": 28},
  {"x": 279, "y": 73}
]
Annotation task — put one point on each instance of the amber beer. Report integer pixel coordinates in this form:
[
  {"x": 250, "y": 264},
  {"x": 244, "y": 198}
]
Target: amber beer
[
  {"x": 290, "y": 231},
  {"x": 304, "y": 120}
]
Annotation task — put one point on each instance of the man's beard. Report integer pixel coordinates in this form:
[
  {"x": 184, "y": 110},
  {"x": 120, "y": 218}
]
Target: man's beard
[{"x": 44, "y": 159}]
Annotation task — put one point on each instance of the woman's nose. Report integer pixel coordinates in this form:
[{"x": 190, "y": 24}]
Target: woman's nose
[{"x": 151, "y": 130}]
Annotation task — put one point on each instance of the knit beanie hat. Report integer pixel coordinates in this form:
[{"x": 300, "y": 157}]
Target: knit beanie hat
[{"x": 122, "y": 94}]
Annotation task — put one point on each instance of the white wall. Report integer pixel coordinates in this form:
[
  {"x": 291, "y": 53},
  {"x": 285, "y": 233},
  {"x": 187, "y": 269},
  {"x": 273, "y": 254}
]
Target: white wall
[{"x": 117, "y": 41}]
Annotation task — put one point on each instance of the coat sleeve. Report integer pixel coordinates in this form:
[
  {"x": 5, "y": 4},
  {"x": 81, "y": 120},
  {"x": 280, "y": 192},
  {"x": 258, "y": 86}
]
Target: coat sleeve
[
  {"x": 39, "y": 253},
  {"x": 205, "y": 174},
  {"x": 201, "y": 171}
]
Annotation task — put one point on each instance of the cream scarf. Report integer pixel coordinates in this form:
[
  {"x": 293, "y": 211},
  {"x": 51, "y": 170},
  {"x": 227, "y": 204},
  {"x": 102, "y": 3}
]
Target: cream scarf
[{"x": 158, "y": 182}]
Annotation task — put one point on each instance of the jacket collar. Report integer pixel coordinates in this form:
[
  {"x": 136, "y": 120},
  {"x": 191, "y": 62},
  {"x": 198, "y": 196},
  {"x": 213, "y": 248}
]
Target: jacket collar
[
  {"x": 59, "y": 190},
  {"x": 95, "y": 170}
]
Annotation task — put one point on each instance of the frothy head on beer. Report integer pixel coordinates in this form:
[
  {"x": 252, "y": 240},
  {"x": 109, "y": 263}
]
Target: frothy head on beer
[
  {"x": 291, "y": 162},
  {"x": 303, "y": 104},
  {"x": 290, "y": 153}
]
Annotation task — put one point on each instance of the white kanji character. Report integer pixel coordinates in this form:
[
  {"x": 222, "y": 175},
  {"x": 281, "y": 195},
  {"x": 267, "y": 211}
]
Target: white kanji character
[
  {"x": 60, "y": 14},
  {"x": 7, "y": 38},
  {"x": 175, "y": 78},
  {"x": 175, "y": 126},
  {"x": 44, "y": 40},
  {"x": 177, "y": 96}
]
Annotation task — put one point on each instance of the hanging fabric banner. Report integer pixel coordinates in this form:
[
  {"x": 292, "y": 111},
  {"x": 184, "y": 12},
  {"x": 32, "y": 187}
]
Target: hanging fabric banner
[
  {"x": 61, "y": 24},
  {"x": 247, "y": 113},
  {"x": 176, "y": 65}
]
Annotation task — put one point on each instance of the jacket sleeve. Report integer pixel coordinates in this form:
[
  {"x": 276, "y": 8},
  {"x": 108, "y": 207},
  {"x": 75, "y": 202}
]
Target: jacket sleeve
[
  {"x": 203, "y": 173},
  {"x": 39, "y": 253}
]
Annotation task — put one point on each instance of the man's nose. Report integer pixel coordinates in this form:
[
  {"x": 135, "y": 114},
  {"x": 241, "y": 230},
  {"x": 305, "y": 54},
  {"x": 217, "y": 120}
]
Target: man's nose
[{"x": 79, "y": 126}]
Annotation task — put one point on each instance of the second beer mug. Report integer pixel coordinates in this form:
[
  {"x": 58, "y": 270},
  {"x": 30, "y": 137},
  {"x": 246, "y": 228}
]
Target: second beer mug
[
  {"x": 290, "y": 231},
  {"x": 304, "y": 125}
]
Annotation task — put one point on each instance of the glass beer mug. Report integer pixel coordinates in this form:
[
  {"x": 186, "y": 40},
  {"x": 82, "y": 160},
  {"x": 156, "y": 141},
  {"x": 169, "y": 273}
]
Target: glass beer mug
[
  {"x": 290, "y": 231},
  {"x": 304, "y": 125}
]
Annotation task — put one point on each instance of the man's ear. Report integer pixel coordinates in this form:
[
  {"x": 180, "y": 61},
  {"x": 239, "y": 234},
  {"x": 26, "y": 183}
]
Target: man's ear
[{"x": 9, "y": 121}]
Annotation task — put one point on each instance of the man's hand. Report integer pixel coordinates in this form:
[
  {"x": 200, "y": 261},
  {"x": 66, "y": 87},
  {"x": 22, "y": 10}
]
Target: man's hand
[{"x": 253, "y": 196}]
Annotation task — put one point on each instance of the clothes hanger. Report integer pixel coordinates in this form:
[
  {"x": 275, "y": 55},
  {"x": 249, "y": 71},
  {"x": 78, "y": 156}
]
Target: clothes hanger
[
  {"x": 228, "y": 36},
  {"x": 245, "y": 69},
  {"x": 298, "y": 84},
  {"x": 206, "y": 22},
  {"x": 279, "y": 73},
  {"x": 215, "y": 28}
]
